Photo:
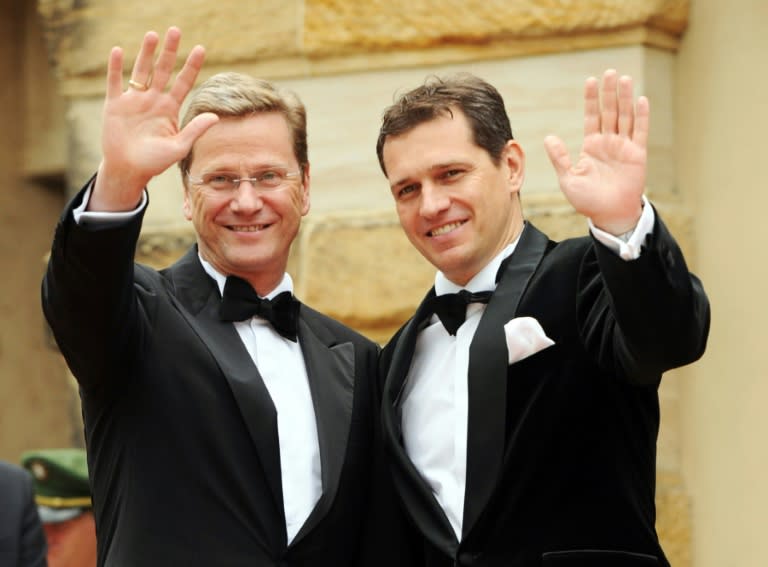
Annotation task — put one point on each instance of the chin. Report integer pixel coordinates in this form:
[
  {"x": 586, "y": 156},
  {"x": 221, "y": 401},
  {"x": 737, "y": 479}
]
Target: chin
[{"x": 449, "y": 264}]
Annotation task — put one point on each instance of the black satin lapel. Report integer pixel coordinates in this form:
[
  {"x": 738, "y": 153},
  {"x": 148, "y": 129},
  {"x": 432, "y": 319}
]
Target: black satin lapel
[
  {"x": 416, "y": 494},
  {"x": 331, "y": 374},
  {"x": 192, "y": 286},
  {"x": 248, "y": 388},
  {"x": 487, "y": 375},
  {"x": 401, "y": 363}
]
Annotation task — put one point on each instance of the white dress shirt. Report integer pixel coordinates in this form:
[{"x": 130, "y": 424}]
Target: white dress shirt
[
  {"x": 435, "y": 397},
  {"x": 281, "y": 365}
]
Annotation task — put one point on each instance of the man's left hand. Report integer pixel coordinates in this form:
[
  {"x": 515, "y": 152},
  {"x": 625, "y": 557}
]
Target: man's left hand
[{"x": 607, "y": 181}]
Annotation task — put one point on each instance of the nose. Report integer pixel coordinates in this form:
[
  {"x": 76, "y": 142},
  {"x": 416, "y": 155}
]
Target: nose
[
  {"x": 433, "y": 201},
  {"x": 247, "y": 198}
]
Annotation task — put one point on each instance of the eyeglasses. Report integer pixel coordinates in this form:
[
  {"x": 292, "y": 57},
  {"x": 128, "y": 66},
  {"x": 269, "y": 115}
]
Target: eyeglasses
[{"x": 267, "y": 180}]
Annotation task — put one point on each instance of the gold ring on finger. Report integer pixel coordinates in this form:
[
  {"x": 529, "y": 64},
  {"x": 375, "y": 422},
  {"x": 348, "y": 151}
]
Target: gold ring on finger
[{"x": 137, "y": 85}]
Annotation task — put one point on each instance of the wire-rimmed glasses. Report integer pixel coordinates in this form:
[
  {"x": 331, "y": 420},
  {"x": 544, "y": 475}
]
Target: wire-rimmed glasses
[{"x": 265, "y": 180}]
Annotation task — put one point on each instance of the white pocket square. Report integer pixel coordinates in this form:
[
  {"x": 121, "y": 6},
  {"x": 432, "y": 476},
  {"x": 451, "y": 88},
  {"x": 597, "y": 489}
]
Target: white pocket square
[{"x": 525, "y": 337}]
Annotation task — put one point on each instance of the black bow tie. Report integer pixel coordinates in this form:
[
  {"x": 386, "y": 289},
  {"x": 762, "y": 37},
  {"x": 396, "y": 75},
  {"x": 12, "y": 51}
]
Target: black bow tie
[
  {"x": 240, "y": 302},
  {"x": 451, "y": 308}
]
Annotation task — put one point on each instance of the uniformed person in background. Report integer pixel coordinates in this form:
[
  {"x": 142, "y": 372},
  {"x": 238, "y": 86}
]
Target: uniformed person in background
[{"x": 63, "y": 497}]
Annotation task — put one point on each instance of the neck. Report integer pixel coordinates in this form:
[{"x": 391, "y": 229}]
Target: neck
[
  {"x": 511, "y": 235},
  {"x": 263, "y": 284}
]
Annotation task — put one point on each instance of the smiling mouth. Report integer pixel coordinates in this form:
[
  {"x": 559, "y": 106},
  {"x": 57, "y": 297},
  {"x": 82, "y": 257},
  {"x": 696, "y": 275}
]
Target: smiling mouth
[
  {"x": 248, "y": 228},
  {"x": 445, "y": 229}
]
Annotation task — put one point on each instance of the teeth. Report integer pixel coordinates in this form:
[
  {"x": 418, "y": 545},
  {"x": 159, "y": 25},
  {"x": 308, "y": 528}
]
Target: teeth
[
  {"x": 445, "y": 228},
  {"x": 249, "y": 228}
]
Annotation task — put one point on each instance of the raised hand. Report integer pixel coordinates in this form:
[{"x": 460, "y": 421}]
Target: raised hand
[
  {"x": 140, "y": 134},
  {"x": 607, "y": 181}
]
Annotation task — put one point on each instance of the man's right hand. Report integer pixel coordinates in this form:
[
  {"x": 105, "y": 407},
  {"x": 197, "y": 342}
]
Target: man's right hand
[{"x": 140, "y": 135}]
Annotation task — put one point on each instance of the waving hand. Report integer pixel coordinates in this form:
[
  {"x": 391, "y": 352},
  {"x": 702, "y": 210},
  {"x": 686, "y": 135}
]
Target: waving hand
[
  {"x": 607, "y": 181},
  {"x": 140, "y": 134}
]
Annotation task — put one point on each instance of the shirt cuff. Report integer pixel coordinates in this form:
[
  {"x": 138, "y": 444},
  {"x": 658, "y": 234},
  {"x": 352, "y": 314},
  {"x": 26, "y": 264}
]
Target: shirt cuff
[
  {"x": 105, "y": 219},
  {"x": 628, "y": 245}
]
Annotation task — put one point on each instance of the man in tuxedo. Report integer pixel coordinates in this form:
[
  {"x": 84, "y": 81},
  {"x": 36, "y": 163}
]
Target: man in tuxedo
[
  {"x": 226, "y": 423},
  {"x": 520, "y": 408},
  {"x": 22, "y": 541},
  {"x": 63, "y": 496}
]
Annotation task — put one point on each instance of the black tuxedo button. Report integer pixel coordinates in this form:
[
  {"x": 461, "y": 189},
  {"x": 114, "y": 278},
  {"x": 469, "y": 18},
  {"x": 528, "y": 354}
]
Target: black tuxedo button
[{"x": 467, "y": 559}]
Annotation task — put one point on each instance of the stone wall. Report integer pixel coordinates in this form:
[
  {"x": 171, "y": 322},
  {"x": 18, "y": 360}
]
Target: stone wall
[
  {"x": 288, "y": 38},
  {"x": 37, "y": 406}
]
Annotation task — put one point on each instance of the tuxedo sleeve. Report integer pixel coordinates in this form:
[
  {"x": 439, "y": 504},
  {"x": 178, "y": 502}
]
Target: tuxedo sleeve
[
  {"x": 89, "y": 299},
  {"x": 642, "y": 317}
]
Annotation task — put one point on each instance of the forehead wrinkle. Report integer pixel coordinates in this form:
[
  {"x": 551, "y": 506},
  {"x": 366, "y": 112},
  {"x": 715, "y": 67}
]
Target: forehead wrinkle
[{"x": 244, "y": 164}]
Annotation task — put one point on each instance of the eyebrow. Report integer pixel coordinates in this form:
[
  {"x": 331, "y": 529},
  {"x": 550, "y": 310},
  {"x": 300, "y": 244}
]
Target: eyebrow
[
  {"x": 432, "y": 169},
  {"x": 240, "y": 167}
]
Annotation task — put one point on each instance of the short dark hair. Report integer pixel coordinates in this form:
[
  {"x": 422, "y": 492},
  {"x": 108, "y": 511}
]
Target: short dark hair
[{"x": 480, "y": 102}]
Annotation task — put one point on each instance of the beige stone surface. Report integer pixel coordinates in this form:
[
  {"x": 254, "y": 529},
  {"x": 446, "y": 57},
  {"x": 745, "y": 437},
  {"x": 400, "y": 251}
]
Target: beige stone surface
[
  {"x": 83, "y": 124},
  {"x": 81, "y": 34},
  {"x": 668, "y": 448},
  {"x": 722, "y": 120},
  {"x": 362, "y": 270},
  {"x": 300, "y": 38},
  {"x": 45, "y": 133},
  {"x": 673, "y": 518},
  {"x": 453, "y": 53},
  {"x": 350, "y": 25},
  {"x": 36, "y": 403}
]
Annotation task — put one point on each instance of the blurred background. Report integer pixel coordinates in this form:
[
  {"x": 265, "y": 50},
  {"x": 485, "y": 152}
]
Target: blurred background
[{"x": 702, "y": 63}]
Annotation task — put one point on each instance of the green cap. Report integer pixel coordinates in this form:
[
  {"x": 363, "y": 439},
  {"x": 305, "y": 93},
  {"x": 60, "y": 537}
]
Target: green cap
[{"x": 61, "y": 483}]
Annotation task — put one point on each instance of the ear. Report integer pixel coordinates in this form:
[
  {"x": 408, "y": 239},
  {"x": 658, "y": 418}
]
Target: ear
[
  {"x": 513, "y": 158},
  {"x": 186, "y": 207},
  {"x": 305, "y": 191}
]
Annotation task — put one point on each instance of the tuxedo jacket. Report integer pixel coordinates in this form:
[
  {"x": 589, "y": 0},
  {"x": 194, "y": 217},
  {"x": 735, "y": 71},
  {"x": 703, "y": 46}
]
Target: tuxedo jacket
[
  {"x": 561, "y": 445},
  {"x": 180, "y": 429},
  {"x": 22, "y": 541}
]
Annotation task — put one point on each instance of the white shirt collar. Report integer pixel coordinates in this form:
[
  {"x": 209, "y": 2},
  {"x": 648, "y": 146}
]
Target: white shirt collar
[{"x": 286, "y": 284}]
